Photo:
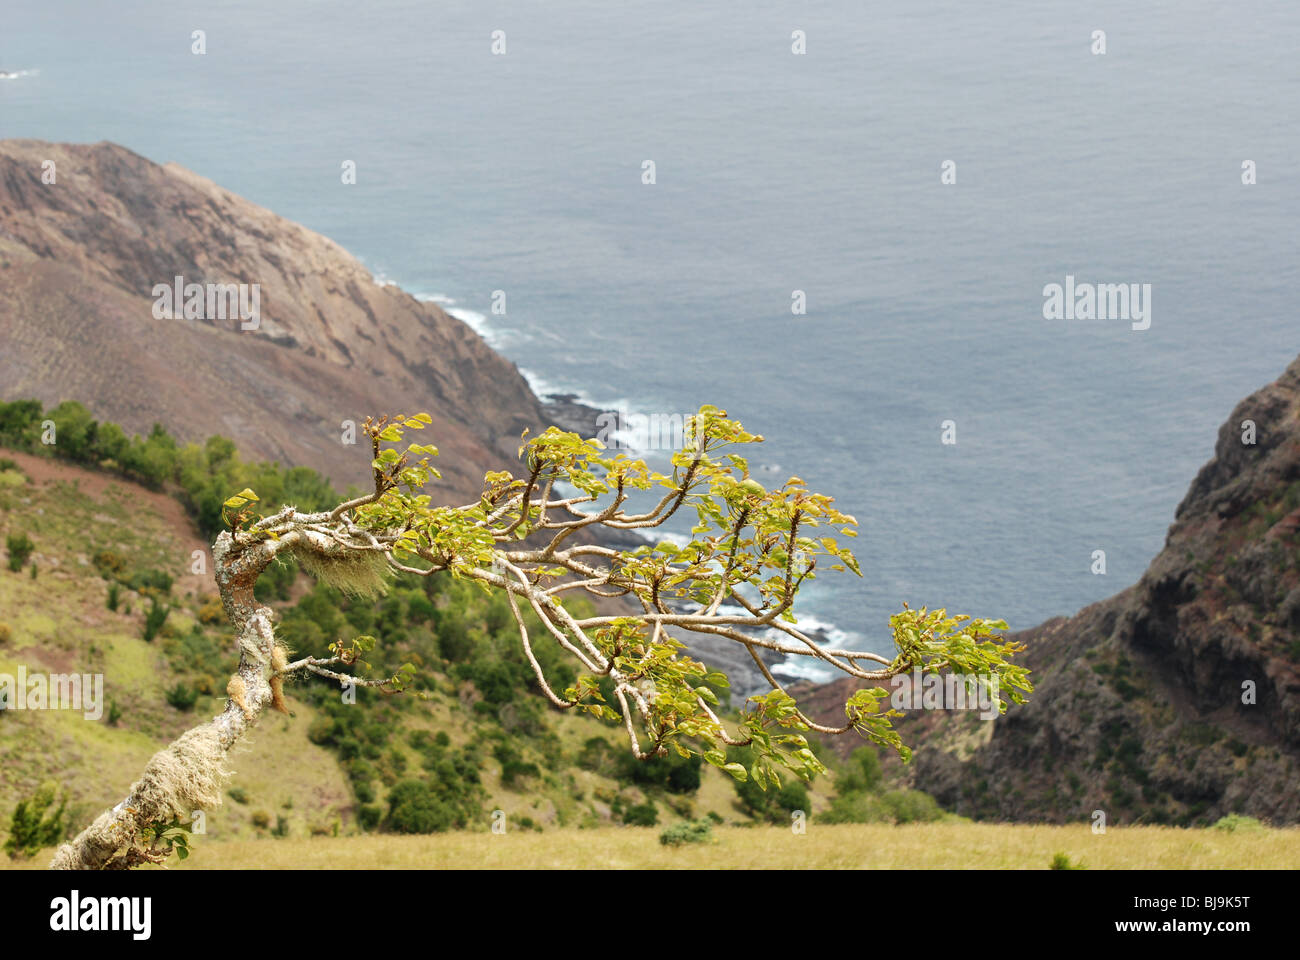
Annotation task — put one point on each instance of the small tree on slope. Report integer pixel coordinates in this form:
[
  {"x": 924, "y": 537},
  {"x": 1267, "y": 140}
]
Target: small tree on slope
[{"x": 751, "y": 551}]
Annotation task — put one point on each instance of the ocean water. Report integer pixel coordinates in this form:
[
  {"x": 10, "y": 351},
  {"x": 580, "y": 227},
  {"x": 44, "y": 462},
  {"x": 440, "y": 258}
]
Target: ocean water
[{"x": 778, "y": 172}]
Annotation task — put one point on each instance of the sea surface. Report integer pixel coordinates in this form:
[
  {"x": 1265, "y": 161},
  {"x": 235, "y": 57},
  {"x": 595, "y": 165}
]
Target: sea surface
[{"x": 777, "y": 172}]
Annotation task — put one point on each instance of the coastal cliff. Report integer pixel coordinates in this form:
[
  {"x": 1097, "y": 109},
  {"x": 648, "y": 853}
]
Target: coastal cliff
[
  {"x": 1174, "y": 701},
  {"x": 81, "y": 256}
]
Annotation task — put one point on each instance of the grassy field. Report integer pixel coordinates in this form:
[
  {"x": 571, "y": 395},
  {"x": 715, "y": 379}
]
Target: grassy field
[{"x": 952, "y": 846}]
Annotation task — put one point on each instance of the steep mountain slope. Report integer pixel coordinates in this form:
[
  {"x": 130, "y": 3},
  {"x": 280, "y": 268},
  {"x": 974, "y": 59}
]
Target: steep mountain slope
[
  {"x": 1176, "y": 700},
  {"x": 79, "y": 259}
]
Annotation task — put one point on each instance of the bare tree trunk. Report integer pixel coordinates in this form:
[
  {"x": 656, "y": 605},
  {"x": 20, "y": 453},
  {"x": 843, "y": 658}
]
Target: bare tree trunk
[{"x": 188, "y": 775}]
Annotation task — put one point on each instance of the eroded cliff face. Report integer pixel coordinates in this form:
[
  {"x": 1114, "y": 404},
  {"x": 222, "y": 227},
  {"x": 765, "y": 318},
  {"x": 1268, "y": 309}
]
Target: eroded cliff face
[
  {"x": 1142, "y": 706},
  {"x": 79, "y": 260}
]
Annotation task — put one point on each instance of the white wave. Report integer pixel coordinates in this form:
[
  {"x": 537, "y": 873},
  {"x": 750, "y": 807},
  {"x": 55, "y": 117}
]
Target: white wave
[
  {"x": 478, "y": 322},
  {"x": 825, "y": 633},
  {"x": 17, "y": 74},
  {"x": 544, "y": 388},
  {"x": 802, "y": 668}
]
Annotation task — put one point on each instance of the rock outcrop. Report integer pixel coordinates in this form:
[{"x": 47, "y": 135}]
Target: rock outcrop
[{"x": 1174, "y": 701}]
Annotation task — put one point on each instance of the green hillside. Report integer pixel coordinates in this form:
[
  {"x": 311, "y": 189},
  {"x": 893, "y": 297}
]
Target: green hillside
[{"x": 105, "y": 551}]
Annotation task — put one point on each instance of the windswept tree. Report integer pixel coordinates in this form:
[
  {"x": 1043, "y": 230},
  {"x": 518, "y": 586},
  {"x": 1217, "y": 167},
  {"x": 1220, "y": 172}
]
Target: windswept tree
[{"x": 535, "y": 538}]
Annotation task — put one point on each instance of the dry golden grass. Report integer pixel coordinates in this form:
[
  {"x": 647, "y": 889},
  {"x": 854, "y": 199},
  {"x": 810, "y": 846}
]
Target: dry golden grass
[{"x": 952, "y": 846}]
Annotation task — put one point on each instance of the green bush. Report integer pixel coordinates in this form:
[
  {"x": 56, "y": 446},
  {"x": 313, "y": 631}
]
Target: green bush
[
  {"x": 20, "y": 547},
  {"x": 1233, "y": 823},
  {"x": 369, "y": 816},
  {"x": 412, "y": 808},
  {"x": 688, "y": 831},
  {"x": 154, "y": 618},
  {"x": 151, "y": 582},
  {"x": 641, "y": 815},
  {"x": 772, "y": 805},
  {"x": 33, "y": 827},
  {"x": 598, "y": 756},
  {"x": 182, "y": 696},
  {"x": 516, "y": 770},
  {"x": 861, "y": 773},
  {"x": 1061, "y": 861},
  {"x": 672, "y": 772},
  {"x": 109, "y": 563},
  {"x": 913, "y": 806},
  {"x": 857, "y": 807}
]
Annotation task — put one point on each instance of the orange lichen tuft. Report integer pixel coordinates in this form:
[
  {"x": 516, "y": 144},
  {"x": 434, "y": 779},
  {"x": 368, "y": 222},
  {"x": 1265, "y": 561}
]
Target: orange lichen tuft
[
  {"x": 279, "y": 661},
  {"x": 238, "y": 692}
]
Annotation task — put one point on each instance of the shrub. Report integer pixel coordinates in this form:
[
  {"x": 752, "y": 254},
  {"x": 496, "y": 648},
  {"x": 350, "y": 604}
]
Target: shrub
[
  {"x": 412, "y": 808},
  {"x": 114, "y": 594},
  {"x": 861, "y": 773},
  {"x": 369, "y": 815},
  {"x": 109, "y": 563},
  {"x": 772, "y": 805},
  {"x": 151, "y": 583},
  {"x": 674, "y": 773},
  {"x": 641, "y": 815},
  {"x": 238, "y": 794},
  {"x": 154, "y": 618},
  {"x": 6, "y": 633},
  {"x": 454, "y": 642},
  {"x": 212, "y": 612},
  {"x": 597, "y": 756},
  {"x": 114, "y": 713},
  {"x": 32, "y": 827},
  {"x": 858, "y": 807},
  {"x": 688, "y": 831},
  {"x": 1060, "y": 861},
  {"x": 516, "y": 770},
  {"x": 20, "y": 547},
  {"x": 182, "y": 696},
  {"x": 261, "y": 820},
  {"x": 913, "y": 806},
  {"x": 1235, "y": 822},
  {"x": 513, "y": 767}
]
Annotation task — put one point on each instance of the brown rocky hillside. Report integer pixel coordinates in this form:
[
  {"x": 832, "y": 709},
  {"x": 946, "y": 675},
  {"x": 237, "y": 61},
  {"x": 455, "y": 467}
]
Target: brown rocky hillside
[
  {"x": 1138, "y": 708},
  {"x": 78, "y": 262}
]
